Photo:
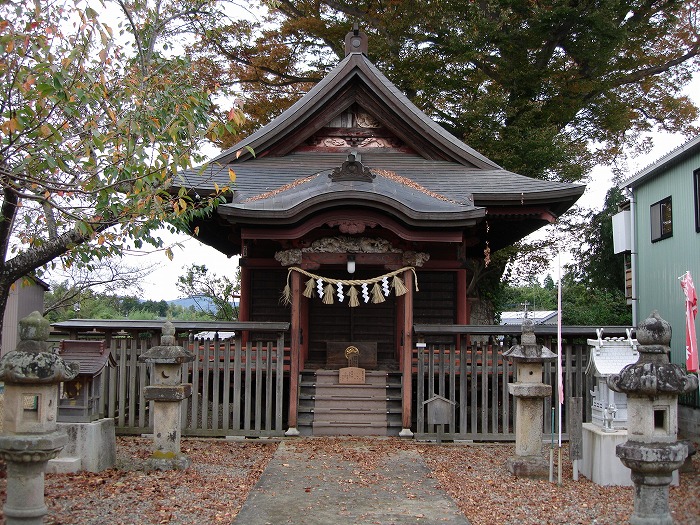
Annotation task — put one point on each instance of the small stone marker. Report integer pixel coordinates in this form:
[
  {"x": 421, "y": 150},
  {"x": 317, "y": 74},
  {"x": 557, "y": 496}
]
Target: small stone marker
[{"x": 351, "y": 376}]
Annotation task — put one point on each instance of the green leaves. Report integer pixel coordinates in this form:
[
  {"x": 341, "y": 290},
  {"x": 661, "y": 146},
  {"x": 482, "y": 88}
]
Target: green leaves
[
  {"x": 90, "y": 136},
  {"x": 545, "y": 89}
]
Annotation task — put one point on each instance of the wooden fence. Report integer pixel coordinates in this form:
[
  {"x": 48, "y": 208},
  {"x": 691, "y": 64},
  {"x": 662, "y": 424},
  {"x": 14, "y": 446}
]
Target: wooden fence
[
  {"x": 474, "y": 377},
  {"x": 238, "y": 389},
  {"x": 241, "y": 389}
]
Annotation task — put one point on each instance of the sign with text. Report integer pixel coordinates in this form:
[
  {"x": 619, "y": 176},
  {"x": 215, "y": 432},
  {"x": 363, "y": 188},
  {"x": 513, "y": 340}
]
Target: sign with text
[{"x": 351, "y": 376}]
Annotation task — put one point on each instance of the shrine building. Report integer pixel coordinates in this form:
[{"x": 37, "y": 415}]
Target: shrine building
[{"x": 355, "y": 216}]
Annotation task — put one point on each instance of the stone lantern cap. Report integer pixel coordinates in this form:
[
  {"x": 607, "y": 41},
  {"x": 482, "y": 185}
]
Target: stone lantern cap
[
  {"x": 167, "y": 353},
  {"x": 653, "y": 374},
  {"x": 31, "y": 361},
  {"x": 528, "y": 351}
]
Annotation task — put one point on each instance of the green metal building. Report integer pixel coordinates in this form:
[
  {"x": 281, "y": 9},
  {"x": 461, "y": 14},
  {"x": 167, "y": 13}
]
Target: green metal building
[{"x": 663, "y": 237}]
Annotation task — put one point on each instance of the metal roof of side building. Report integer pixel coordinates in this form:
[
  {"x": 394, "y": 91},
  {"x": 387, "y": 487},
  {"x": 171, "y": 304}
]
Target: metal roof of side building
[{"x": 536, "y": 316}]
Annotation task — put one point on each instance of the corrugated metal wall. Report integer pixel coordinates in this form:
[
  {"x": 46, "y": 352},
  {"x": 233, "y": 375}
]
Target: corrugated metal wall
[{"x": 662, "y": 262}]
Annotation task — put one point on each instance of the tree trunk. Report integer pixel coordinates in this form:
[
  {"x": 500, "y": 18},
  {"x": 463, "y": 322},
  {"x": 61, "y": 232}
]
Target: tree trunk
[{"x": 5, "y": 286}]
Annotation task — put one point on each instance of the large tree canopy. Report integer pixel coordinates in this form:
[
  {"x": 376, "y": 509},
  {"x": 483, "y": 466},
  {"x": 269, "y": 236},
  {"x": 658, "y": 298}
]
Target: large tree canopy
[
  {"x": 93, "y": 133},
  {"x": 545, "y": 88}
]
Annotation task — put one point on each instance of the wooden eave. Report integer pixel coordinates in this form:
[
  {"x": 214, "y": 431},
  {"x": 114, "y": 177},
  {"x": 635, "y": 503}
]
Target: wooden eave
[{"x": 369, "y": 219}]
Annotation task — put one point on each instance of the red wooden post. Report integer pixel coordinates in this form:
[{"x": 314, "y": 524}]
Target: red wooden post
[
  {"x": 294, "y": 354},
  {"x": 304, "y": 327},
  {"x": 462, "y": 305},
  {"x": 407, "y": 344},
  {"x": 244, "y": 301}
]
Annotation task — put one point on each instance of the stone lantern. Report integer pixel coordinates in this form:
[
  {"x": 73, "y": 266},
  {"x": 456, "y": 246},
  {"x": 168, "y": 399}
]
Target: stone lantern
[
  {"x": 167, "y": 393},
  {"x": 529, "y": 393},
  {"x": 30, "y": 435},
  {"x": 652, "y": 451}
]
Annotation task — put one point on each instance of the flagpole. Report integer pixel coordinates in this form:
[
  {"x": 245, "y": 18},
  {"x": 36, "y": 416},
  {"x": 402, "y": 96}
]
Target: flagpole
[{"x": 560, "y": 378}]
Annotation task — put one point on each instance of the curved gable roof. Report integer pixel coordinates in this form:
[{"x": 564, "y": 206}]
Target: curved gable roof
[{"x": 357, "y": 80}]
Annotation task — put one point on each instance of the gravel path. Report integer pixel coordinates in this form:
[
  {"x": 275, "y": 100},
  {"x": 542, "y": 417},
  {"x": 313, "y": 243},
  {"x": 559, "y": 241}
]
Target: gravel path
[{"x": 214, "y": 488}]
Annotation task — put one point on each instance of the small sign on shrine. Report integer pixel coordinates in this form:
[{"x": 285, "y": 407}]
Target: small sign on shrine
[{"x": 352, "y": 374}]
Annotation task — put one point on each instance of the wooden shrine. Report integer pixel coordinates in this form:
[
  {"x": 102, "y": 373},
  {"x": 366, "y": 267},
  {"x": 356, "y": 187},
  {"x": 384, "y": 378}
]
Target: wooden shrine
[
  {"x": 364, "y": 216},
  {"x": 80, "y": 399}
]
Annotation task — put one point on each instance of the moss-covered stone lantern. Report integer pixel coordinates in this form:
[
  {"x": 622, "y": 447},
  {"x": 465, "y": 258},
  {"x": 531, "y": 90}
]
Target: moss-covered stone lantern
[
  {"x": 652, "y": 451},
  {"x": 167, "y": 393},
  {"x": 529, "y": 392},
  {"x": 30, "y": 437}
]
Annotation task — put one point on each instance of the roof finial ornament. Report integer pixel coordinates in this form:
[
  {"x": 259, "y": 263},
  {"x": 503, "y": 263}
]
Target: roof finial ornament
[
  {"x": 355, "y": 41},
  {"x": 352, "y": 169}
]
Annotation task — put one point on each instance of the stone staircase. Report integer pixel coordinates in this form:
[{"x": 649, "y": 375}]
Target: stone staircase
[{"x": 327, "y": 408}]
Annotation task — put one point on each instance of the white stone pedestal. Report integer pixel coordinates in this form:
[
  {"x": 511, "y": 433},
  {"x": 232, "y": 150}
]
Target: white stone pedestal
[
  {"x": 91, "y": 447},
  {"x": 600, "y": 463}
]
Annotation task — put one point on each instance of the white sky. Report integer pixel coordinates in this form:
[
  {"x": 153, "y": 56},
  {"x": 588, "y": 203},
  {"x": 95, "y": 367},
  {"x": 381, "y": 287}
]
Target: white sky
[{"x": 161, "y": 283}]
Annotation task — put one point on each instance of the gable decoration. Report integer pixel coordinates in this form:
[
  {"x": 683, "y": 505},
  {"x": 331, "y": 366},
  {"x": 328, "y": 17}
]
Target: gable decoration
[{"x": 325, "y": 287}]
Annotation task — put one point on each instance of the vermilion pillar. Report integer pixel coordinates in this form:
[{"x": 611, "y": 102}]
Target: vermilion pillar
[
  {"x": 407, "y": 355},
  {"x": 294, "y": 354},
  {"x": 244, "y": 300}
]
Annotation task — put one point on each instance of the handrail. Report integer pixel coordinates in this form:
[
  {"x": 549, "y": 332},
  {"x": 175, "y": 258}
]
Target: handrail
[
  {"x": 126, "y": 324},
  {"x": 540, "y": 329}
]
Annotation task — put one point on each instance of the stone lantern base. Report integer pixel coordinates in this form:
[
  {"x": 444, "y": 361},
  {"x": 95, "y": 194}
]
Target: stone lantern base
[
  {"x": 26, "y": 457},
  {"x": 652, "y": 466},
  {"x": 535, "y": 467}
]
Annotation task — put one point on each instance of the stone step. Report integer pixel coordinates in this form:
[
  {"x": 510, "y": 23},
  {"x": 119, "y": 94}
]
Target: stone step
[
  {"x": 350, "y": 393},
  {"x": 331, "y": 377},
  {"x": 359, "y": 410},
  {"x": 67, "y": 465},
  {"x": 349, "y": 429},
  {"x": 359, "y": 404}
]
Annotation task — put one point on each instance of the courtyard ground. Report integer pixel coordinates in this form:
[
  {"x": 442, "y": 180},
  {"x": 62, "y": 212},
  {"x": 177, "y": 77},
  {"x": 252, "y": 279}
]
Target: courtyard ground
[{"x": 222, "y": 474}]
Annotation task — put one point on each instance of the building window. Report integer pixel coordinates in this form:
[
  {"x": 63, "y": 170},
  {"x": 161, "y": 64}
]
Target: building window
[
  {"x": 661, "y": 220},
  {"x": 696, "y": 191}
]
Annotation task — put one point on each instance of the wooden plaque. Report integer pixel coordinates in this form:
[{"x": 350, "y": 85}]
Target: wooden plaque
[{"x": 351, "y": 376}]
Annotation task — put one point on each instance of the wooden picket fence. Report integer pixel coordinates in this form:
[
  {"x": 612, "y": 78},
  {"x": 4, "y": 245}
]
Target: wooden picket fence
[
  {"x": 474, "y": 378},
  {"x": 241, "y": 389},
  {"x": 238, "y": 390}
]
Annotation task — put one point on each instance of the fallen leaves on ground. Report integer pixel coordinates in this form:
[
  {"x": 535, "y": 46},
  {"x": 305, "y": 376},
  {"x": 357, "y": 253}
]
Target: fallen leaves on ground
[
  {"x": 214, "y": 488},
  {"x": 477, "y": 479}
]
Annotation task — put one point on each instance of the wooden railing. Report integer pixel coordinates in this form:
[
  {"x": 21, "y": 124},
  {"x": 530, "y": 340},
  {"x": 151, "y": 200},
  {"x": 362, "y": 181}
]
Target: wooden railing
[{"x": 241, "y": 384}]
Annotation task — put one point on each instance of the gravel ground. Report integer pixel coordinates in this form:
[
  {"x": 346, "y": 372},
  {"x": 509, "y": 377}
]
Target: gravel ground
[{"x": 213, "y": 489}]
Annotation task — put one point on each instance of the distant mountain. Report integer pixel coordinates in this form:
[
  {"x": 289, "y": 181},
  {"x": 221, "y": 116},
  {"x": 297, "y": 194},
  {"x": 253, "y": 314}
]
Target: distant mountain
[
  {"x": 201, "y": 303},
  {"x": 198, "y": 302}
]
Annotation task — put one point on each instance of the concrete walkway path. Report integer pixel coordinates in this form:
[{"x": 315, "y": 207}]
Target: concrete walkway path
[{"x": 323, "y": 489}]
